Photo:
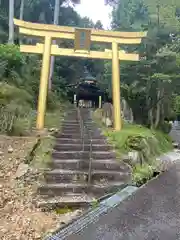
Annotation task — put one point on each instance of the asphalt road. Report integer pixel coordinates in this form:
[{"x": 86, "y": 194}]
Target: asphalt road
[
  {"x": 175, "y": 135},
  {"x": 152, "y": 213}
]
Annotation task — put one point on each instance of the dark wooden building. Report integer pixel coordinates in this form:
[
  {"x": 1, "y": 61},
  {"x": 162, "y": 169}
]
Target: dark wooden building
[{"x": 87, "y": 93}]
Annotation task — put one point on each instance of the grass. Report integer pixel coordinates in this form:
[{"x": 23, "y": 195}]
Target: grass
[
  {"x": 43, "y": 153},
  {"x": 143, "y": 173},
  {"x": 42, "y": 156},
  {"x": 149, "y": 144},
  {"x": 157, "y": 141}
]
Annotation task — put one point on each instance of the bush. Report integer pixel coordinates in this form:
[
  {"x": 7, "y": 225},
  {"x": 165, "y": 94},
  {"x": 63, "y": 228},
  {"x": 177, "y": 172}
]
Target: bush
[
  {"x": 15, "y": 110},
  {"x": 19, "y": 87},
  {"x": 23, "y": 125},
  {"x": 139, "y": 138},
  {"x": 166, "y": 127},
  {"x": 13, "y": 58},
  {"x": 15, "y": 120},
  {"x": 142, "y": 174},
  {"x": 11, "y": 94},
  {"x": 148, "y": 143},
  {"x": 52, "y": 101}
]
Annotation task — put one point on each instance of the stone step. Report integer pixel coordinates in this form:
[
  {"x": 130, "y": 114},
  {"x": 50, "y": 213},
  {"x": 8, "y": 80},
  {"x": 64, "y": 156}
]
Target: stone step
[
  {"x": 96, "y": 135},
  {"x": 76, "y": 121},
  {"x": 79, "y": 141},
  {"x": 76, "y": 125},
  {"x": 80, "y": 176},
  {"x": 71, "y": 131},
  {"x": 67, "y": 121},
  {"x": 98, "y": 164},
  {"x": 61, "y": 189},
  {"x": 71, "y": 200},
  {"x": 79, "y": 147},
  {"x": 78, "y": 131},
  {"x": 83, "y": 155}
]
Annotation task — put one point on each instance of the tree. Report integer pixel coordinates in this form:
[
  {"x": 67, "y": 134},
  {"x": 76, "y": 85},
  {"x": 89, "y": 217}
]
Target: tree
[
  {"x": 148, "y": 86},
  {"x": 21, "y": 10},
  {"x": 11, "y": 22},
  {"x": 56, "y": 20},
  {"x": 98, "y": 25}
]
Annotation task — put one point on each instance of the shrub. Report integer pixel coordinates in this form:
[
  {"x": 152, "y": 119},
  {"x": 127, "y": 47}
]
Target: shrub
[
  {"x": 15, "y": 119},
  {"x": 142, "y": 173},
  {"x": 9, "y": 93},
  {"x": 13, "y": 58},
  {"x": 148, "y": 143},
  {"x": 52, "y": 101},
  {"x": 165, "y": 127}
]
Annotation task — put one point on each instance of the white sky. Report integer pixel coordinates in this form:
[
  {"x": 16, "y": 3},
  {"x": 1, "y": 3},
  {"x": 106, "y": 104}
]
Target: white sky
[{"x": 95, "y": 10}]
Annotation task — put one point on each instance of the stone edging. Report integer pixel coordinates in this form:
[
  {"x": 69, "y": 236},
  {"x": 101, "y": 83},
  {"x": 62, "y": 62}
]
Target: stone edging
[{"x": 93, "y": 215}]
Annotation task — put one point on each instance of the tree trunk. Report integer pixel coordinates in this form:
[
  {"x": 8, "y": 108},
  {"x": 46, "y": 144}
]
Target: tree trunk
[
  {"x": 22, "y": 10},
  {"x": 56, "y": 21},
  {"x": 11, "y": 22},
  {"x": 21, "y": 15},
  {"x": 150, "y": 114},
  {"x": 158, "y": 109}
]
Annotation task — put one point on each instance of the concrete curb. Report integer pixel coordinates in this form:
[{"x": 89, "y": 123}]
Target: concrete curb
[{"x": 93, "y": 215}]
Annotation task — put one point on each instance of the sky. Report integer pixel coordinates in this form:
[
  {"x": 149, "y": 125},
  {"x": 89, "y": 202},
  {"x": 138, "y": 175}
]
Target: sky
[{"x": 95, "y": 10}]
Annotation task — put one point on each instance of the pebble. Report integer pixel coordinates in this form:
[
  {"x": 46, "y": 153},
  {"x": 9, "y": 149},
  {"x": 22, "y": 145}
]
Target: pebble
[
  {"x": 52, "y": 129},
  {"x": 1, "y": 153},
  {"x": 37, "y": 236},
  {"x": 10, "y": 149},
  {"x": 22, "y": 170}
]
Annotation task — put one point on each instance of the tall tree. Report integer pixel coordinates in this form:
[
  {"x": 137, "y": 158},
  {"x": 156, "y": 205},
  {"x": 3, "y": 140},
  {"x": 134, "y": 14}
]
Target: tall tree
[
  {"x": 148, "y": 86},
  {"x": 56, "y": 21},
  {"x": 21, "y": 10},
  {"x": 11, "y": 22}
]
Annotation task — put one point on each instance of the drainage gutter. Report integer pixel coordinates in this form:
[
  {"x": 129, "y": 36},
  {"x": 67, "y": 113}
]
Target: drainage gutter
[{"x": 93, "y": 215}]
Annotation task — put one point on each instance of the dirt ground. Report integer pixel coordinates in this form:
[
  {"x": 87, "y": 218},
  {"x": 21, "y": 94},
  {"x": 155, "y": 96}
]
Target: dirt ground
[{"x": 19, "y": 217}]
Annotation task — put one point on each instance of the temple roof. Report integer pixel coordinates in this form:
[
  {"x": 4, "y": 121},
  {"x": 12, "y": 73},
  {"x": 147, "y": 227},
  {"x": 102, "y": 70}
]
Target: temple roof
[{"x": 87, "y": 76}]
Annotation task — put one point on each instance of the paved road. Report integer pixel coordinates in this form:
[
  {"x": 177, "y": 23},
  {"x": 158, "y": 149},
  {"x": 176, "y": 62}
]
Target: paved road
[
  {"x": 175, "y": 135},
  {"x": 152, "y": 213}
]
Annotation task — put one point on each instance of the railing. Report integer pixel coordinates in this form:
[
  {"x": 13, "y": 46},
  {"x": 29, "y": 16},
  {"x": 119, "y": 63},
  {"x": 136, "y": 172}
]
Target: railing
[
  {"x": 83, "y": 129},
  {"x": 90, "y": 163}
]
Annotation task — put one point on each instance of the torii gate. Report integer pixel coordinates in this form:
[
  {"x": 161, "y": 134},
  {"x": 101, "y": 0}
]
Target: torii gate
[{"x": 82, "y": 41}]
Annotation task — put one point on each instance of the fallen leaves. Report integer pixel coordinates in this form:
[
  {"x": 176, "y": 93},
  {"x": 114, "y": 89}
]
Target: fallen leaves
[{"x": 19, "y": 217}]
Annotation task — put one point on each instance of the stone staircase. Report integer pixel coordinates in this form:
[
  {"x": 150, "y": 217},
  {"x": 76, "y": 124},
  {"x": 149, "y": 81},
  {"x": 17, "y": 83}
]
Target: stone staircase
[{"x": 84, "y": 165}]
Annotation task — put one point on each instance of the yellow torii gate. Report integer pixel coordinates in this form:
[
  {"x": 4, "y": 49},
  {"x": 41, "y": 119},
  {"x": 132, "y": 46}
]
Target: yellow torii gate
[{"x": 82, "y": 41}]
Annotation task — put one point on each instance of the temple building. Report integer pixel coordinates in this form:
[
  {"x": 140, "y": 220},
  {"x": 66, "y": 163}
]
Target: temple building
[{"x": 86, "y": 93}]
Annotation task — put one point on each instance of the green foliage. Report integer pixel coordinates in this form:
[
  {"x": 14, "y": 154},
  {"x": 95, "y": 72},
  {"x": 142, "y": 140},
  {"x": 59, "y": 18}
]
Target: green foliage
[
  {"x": 15, "y": 120},
  {"x": 129, "y": 15},
  {"x": 148, "y": 85},
  {"x": 10, "y": 93},
  {"x": 42, "y": 156},
  {"x": 52, "y": 101},
  {"x": 11, "y": 53},
  {"x": 149, "y": 144},
  {"x": 64, "y": 210},
  {"x": 142, "y": 174},
  {"x": 11, "y": 60},
  {"x": 16, "y": 115},
  {"x": 138, "y": 138},
  {"x": 176, "y": 104},
  {"x": 20, "y": 73}
]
